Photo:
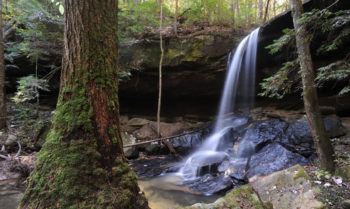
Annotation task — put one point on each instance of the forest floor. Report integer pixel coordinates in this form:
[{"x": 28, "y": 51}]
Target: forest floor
[
  {"x": 29, "y": 127},
  {"x": 334, "y": 190}
]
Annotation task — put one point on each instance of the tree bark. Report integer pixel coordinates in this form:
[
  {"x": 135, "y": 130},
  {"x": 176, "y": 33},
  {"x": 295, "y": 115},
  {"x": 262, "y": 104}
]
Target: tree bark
[
  {"x": 237, "y": 10},
  {"x": 160, "y": 69},
  {"x": 3, "y": 110},
  {"x": 176, "y": 14},
  {"x": 82, "y": 164},
  {"x": 261, "y": 9},
  {"x": 266, "y": 10},
  {"x": 232, "y": 7},
  {"x": 249, "y": 13},
  {"x": 322, "y": 143}
]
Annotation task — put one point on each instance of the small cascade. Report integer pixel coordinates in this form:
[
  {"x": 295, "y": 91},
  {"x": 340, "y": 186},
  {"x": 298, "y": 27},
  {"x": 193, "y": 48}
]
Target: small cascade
[{"x": 240, "y": 83}]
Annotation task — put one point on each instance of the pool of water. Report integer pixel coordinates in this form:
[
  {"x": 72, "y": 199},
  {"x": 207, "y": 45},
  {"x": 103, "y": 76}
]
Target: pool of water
[
  {"x": 166, "y": 192},
  {"x": 162, "y": 192},
  {"x": 10, "y": 194}
]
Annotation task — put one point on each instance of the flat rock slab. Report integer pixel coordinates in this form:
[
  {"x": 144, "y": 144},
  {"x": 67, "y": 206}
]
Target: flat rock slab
[{"x": 287, "y": 189}]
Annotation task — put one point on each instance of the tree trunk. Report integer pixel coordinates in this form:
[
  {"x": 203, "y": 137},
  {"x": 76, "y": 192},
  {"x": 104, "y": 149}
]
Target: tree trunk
[
  {"x": 249, "y": 13},
  {"x": 274, "y": 8},
  {"x": 2, "y": 77},
  {"x": 82, "y": 164},
  {"x": 232, "y": 7},
  {"x": 266, "y": 10},
  {"x": 323, "y": 144},
  {"x": 160, "y": 69},
  {"x": 205, "y": 10},
  {"x": 261, "y": 9},
  {"x": 176, "y": 14},
  {"x": 237, "y": 10}
]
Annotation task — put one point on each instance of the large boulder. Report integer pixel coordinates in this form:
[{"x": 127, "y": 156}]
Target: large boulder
[
  {"x": 288, "y": 189},
  {"x": 273, "y": 157}
]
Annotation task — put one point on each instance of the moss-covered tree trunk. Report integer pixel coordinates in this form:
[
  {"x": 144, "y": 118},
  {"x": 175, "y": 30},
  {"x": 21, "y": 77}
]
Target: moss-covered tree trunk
[
  {"x": 322, "y": 142},
  {"x": 81, "y": 164},
  {"x": 2, "y": 77}
]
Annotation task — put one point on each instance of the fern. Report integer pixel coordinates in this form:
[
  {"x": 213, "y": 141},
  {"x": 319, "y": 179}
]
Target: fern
[
  {"x": 279, "y": 84},
  {"x": 28, "y": 88},
  {"x": 277, "y": 45},
  {"x": 337, "y": 71}
]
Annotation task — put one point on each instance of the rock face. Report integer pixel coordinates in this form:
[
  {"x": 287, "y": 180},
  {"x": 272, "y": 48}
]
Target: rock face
[
  {"x": 192, "y": 67},
  {"x": 290, "y": 188}
]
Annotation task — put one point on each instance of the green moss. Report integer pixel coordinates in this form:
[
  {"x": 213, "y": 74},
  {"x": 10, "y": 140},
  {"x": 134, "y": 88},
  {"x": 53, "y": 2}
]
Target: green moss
[
  {"x": 301, "y": 173},
  {"x": 343, "y": 172}
]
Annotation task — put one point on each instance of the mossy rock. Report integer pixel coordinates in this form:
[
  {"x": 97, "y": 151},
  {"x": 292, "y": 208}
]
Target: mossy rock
[
  {"x": 287, "y": 189},
  {"x": 343, "y": 172},
  {"x": 244, "y": 197}
]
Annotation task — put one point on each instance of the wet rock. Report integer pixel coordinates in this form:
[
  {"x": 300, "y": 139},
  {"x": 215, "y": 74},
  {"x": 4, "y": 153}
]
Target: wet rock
[
  {"x": 152, "y": 148},
  {"x": 259, "y": 134},
  {"x": 152, "y": 167},
  {"x": 184, "y": 144},
  {"x": 11, "y": 140},
  {"x": 273, "y": 157},
  {"x": 244, "y": 197},
  {"x": 299, "y": 131},
  {"x": 237, "y": 169},
  {"x": 343, "y": 172},
  {"x": 236, "y": 126},
  {"x": 209, "y": 184},
  {"x": 290, "y": 188}
]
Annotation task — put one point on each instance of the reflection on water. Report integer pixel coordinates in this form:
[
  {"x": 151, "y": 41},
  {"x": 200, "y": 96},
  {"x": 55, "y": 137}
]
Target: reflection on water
[{"x": 166, "y": 192}]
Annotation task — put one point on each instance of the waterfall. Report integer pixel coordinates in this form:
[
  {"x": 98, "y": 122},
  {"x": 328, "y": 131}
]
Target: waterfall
[{"x": 240, "y": 83}]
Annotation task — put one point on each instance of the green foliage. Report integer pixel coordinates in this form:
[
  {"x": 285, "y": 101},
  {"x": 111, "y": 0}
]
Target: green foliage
[
  {"x": 279, "y": 44},
  {"x": 322, "y": 174},
  {"x": 335, "y": 44},
  {"x": 28, "y": 88},
  {"x": 279, "y": 84},
  {"x": 133, "y": 21},
  {"x": 338, "y": 71},
  {"x": 38, "y": 26},
  {"x": 318, "y": 22}
]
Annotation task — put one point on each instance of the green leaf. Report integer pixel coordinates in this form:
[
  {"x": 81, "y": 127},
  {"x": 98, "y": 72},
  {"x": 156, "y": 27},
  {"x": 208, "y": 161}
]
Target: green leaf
[{"x": 61, "y": 9}]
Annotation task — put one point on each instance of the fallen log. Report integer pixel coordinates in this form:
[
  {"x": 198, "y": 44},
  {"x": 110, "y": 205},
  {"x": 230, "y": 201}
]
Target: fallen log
[{"x": 162, "y": 139}]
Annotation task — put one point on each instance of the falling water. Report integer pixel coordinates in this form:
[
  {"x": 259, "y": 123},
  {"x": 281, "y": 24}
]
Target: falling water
[{"x": 240, "y": 81}]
